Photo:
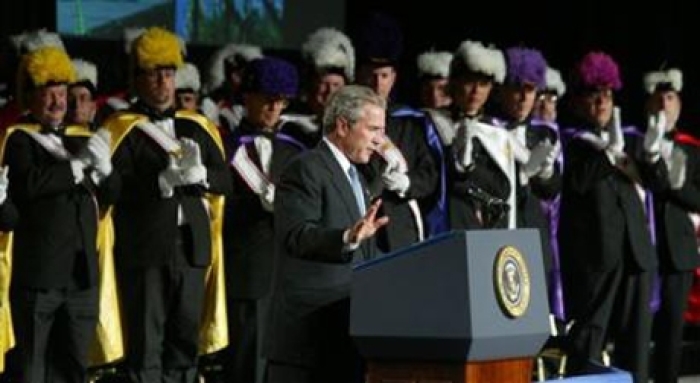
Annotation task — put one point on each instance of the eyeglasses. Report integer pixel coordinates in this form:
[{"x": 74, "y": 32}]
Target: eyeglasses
[{"x": 550, "y": 97}]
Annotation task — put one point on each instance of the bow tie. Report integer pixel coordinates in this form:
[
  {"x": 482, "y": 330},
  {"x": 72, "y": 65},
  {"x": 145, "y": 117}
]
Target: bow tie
[{"x": 56, "y": 131}]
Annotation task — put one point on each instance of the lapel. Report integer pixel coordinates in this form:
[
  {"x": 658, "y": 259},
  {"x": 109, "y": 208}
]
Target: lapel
[{"x": 340, "y": 181}]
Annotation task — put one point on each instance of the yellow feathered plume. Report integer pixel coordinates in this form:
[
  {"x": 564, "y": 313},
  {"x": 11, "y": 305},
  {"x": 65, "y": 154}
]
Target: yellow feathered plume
[
  {"x": 157, "y": 47},
  {"x": 46, "y": 65}
]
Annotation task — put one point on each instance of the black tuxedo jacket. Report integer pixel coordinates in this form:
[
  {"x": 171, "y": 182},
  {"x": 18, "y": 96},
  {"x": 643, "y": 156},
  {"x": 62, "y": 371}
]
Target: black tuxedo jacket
[{"x": 311, "y": 283}]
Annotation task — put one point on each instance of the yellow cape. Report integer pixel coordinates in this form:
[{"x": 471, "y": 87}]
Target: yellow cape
[
  {"x": 213, "y": 334},
  {"x": 108, "y": 346}
]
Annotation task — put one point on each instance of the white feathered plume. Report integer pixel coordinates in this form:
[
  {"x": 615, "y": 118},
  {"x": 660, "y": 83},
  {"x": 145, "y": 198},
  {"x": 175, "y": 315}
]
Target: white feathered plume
[
  {"x": 85, "y": 71},
  {"x": 330, "y": 48},
  {"x": 554, "y": 81},
  {"x": 481, "y": 59},
  {"x": 673, "y": 77},
  {"x": 228, "y": 52},
  {"x": 433, "y": 63}
]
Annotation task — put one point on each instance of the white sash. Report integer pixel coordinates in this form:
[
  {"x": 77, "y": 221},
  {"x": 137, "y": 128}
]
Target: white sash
[
  {"x": 52, "y": 144},
  {"x": 254, "y": 177},
  {"x": 170, "y": 144},
  {"x": 498, "y": 144},
  {"x": 393, "y": 155}
]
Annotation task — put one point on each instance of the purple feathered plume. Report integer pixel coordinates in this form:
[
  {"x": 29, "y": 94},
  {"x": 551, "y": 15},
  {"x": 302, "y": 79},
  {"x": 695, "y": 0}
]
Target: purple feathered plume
[
  {"x": 526, "y": 66},
  {"x": 271, "y": 76},
  {"x": 598, "y": 70}
]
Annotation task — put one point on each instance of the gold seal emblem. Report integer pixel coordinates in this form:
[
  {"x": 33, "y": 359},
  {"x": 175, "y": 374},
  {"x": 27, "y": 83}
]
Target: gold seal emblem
[{"x": 511, "y": 281}]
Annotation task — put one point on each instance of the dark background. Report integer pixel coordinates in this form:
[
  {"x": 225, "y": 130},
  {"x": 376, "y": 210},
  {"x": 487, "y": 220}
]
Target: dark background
[{"x": 641, "y": 37}]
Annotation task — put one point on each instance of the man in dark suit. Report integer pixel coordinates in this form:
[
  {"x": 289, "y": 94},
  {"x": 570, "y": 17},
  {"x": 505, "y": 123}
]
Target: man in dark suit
[
  {"x": 170, "y": 163},
  {"x": 321, "y": 228},
  {"x": 58, "y": 175}
]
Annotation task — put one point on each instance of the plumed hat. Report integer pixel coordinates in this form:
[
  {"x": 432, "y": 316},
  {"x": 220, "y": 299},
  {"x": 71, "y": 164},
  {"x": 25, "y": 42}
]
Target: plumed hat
[
  {"x": 30, "y": 41},
  {"x": 42, "y": 67},
  {"x": 379, "y": 41},
  {"x": 228, "y": 58},
  {"x": 187, "y": 78},
  {"x": 597, "y": 70},
  {"x": 85, "y": 72},
  {"x": 434, "y": 64},
  {"x": 474, "y": 57},
  {"x": 271, "y": 76},
  {"x": 554, "y": 82},
  {"x": 525, "y": 66},
  {"x": 155, "y": 48},
  {"x": 671, "y": 79},
  {"x": 329, "y": 50}
]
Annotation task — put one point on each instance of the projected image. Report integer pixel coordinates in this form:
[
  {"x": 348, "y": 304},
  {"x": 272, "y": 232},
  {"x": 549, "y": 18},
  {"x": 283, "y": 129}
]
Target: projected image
[{"x": 197, "y": 21}]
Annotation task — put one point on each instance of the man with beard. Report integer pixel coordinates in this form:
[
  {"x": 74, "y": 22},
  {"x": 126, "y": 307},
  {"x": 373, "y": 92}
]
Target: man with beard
[{"x": 167, "y": 244}]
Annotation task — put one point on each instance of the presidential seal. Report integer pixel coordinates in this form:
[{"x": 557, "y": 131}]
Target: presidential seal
[{"x": 511, "y": 281}]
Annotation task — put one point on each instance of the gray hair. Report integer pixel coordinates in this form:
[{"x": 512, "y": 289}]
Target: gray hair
[{"x": 348, "y": 103}]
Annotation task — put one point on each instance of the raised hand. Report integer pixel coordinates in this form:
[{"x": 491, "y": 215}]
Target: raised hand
[
  {"x": 656, "y": 127},
  {"x": 617, "y": 139},
  {"x": 368, "y": 225}
]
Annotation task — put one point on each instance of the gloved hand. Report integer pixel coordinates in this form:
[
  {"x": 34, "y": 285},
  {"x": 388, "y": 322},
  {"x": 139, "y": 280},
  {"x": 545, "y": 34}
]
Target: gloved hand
[
  {"x": 193, "y": 172},
  {"x": 656, "y": 127},
  {"x": 98, "y": 147},
  {"x": 463, "y": 145},
  {"x": 677, "y": 168},
  {"x": 397, "y": 182},
  {"x": 538, "y": 155},
  {"x": 549, "y": 161},
  {"x": 4, "y": 182},
  {"x": 170, "y": 178},
  {"x": 267, "y": 198},
  {"x": 616, "y": 144}
]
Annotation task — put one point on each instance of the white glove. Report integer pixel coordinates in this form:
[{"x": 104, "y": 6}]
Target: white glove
[
  {"x": 170, "y": 178},
  {"x": 4, "y": 181},
  {"x": 616, "y": 144},
  {"x": 677, "y": 168},
  {"x": 538, "y": 155},
  {"x": 98, "y": 147},
  {"x": 193, "y": 172},
  {"x": 464, "y": 146},
  {"x": 396, "y": 182},
  {"x": 549, "y": 161},
  {"x": 267, "y": 198},
  {"x": 656, "y": 127}
]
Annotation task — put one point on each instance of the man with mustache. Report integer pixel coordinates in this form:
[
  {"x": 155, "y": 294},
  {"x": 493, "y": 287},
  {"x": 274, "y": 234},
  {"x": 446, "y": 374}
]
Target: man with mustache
[{"x": 61, "y": 176}]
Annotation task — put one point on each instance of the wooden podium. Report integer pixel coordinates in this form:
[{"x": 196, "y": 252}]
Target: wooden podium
[{"x": 467, "y": 306}]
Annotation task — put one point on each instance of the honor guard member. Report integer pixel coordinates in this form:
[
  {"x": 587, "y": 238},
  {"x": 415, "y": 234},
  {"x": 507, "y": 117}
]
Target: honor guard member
[
  {"x": 187, "y": 87},
  {"x": 676, "y": 243},
  {"x": 61, "y": 181},
  {"x": 477, "y": 155},
  {"x": 223, "y": 86},
  {"x": 433, "y": 76},
  {"x": 167, "y": 221},
  {"x": 328, "y": 64},
  {"x": 405, "y": 172},
  {"x": 82, "y": 95},
  {"x": 606, "y": 237},
  {"x": 535, "y": 145},
  {"x": 547, "y": 104},
  {"x": 258, "y": 155}
]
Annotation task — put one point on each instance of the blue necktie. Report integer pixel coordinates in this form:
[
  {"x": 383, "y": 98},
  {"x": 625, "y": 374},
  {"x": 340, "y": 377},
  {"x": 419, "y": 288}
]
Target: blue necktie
[{"x": 357, "y": 188}]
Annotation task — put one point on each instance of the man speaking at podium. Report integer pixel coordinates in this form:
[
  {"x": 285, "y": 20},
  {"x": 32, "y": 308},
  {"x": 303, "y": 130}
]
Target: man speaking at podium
[{"x": 323, "y": 224}]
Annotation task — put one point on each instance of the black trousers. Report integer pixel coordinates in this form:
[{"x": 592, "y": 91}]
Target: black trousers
[
  {"x": 54, "y": 330},
  {"x": 163, "y": 310},
  {"x": 669, "y": 325}
]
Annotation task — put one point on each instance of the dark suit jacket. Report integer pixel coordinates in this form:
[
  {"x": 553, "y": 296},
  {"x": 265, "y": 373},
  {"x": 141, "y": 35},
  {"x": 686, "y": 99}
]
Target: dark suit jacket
[
  {"x": 146, "y": 224},
  {"x": 55, "y": 238},
  {"x": 314, "y": 205},
  {"x": 603, "y": 221},
  {"x": 678, "y": 249},
  {"x": 249, "y": 241},
  {"x": 8, "y": 216}
]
